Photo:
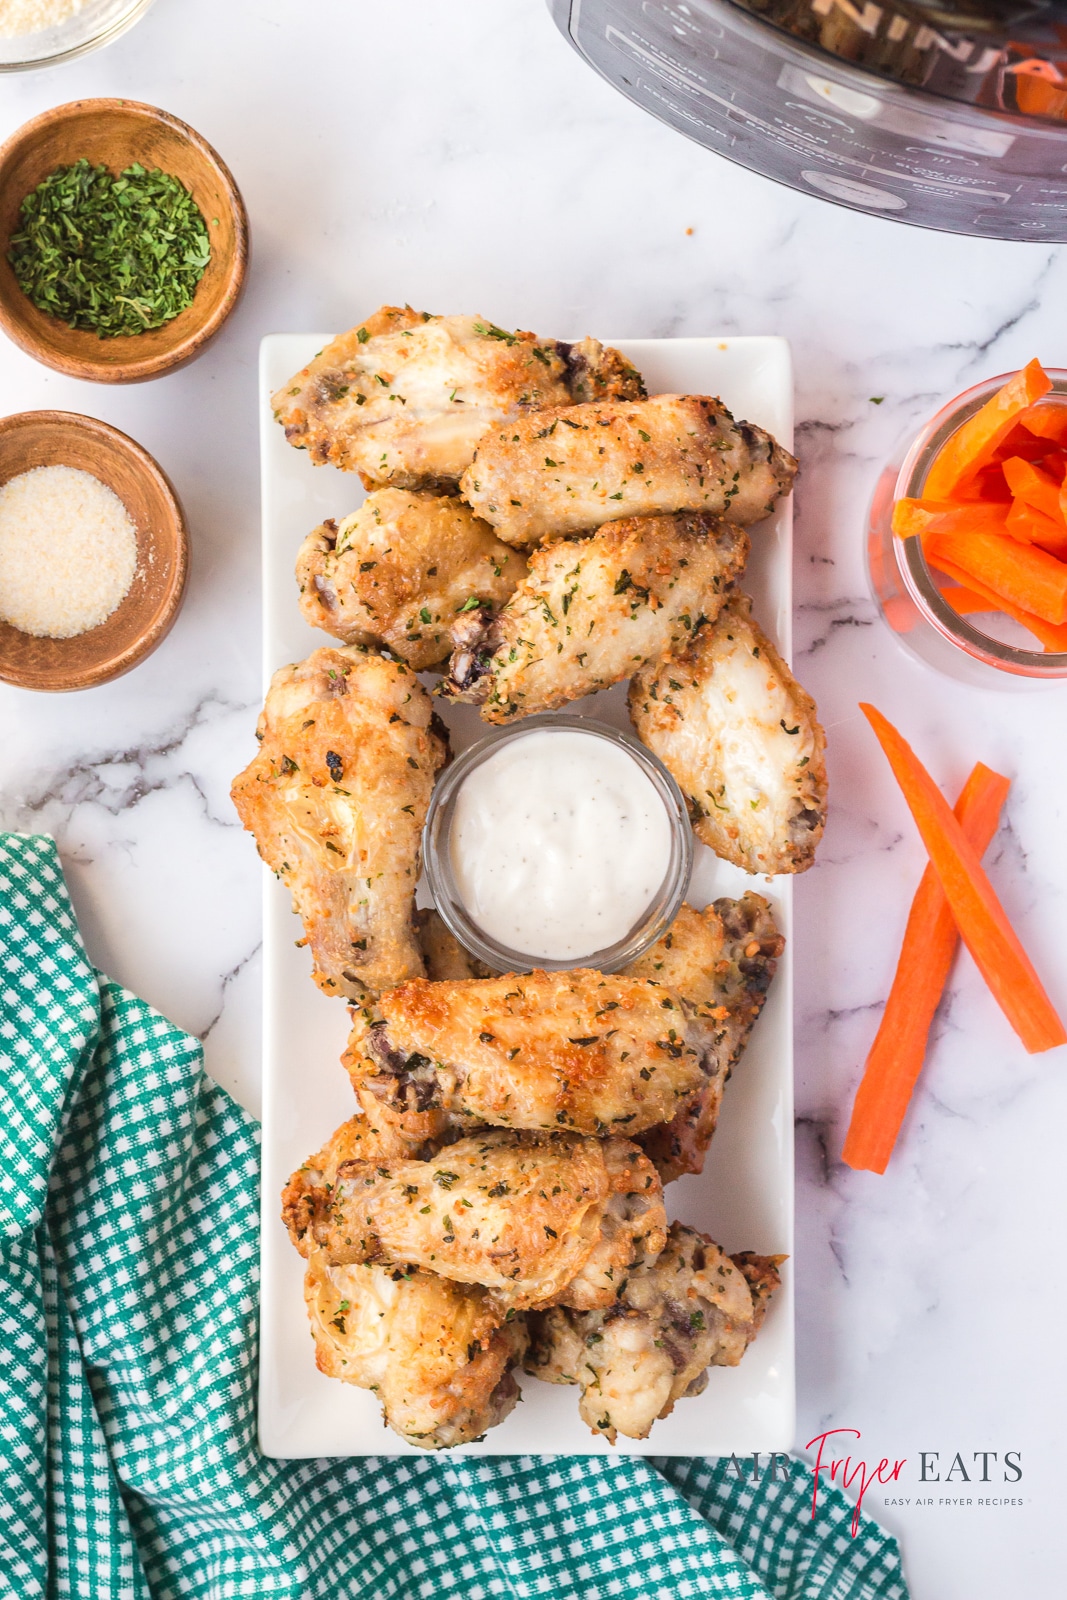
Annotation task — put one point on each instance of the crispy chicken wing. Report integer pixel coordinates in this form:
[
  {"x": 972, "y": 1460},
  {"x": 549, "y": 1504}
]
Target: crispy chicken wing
[
  {"x": 336, "y": 799},
  {"x": 720, "y": 961},
  {"x": 358, "y": 1139},
  {"x": 436, "y": 1354},
  {"x": 446, "y": 959},
  {"x": 558, "y": 471},
  {"x": 399, "y": 571},
  {"x": 535, "y": 1218},
  {"x": 691, "y": 1308},
  {"x": 355, "y": 1140},
  {"x": 404, "y": 397},
  {"x": 592, "y": 610},
  {"x": 594, "y": 1052},
  {"x": 743, "y": 741}
]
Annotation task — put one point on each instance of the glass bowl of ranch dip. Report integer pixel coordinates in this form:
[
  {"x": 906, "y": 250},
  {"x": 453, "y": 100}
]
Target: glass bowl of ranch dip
[{"x": 557, "y": 843}]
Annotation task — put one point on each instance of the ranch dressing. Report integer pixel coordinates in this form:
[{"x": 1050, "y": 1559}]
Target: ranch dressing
[{"x": 559, "y": 843}]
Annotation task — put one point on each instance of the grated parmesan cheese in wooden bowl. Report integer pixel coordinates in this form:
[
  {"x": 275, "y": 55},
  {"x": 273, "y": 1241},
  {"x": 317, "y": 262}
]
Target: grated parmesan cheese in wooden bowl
[{"x": 68, "y": 552}]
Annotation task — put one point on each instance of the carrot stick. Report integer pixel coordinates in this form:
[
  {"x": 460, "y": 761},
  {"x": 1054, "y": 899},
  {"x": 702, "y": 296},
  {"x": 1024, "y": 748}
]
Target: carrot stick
[
  {"x": 1038, "y": 96},
  {"x": 1053, "y": 638},
  {"x": 965, "y": 600},
  {"x": 1048, "y": 419},
  {"x": 1028, "y": 525},
  {"x": 986, "y": 487},
  {"x": 930, "y": 942},
  {"x": 972, "y": 446},
  {"x": 1028, "y": 482},
  {"x": 947, "y": 516},
  {"x": 979, "y": 915},
  {"x": 1030, "y": 578},
  {"x": 1021, "y": 442}
]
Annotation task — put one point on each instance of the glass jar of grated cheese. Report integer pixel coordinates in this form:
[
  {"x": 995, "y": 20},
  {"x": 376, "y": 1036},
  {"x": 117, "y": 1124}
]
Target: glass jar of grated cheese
[{"x": 41, "y": 33}]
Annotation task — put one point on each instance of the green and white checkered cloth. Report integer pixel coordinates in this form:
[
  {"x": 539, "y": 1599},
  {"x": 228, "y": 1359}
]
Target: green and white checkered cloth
[{"x": 128, "y": 1265}]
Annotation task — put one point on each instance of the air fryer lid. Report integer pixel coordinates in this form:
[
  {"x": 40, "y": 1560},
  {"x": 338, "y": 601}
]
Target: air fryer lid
[
  {"x": 998, "y": 54},
  {"x": 947, "y": 119}
]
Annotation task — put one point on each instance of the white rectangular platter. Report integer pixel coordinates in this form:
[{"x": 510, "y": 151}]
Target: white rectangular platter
[{"x": 744, "y": 1198}]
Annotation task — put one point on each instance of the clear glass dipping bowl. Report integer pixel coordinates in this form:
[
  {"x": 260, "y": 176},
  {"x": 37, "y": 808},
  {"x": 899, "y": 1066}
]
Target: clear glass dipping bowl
[
  {"x": 437, "y": 856},
  {"x": 904, "y": 587},
  {"x": 96, "y": 24}
]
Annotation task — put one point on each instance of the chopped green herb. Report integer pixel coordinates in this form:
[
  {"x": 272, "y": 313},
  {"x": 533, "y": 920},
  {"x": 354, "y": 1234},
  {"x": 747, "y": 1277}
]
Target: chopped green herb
[
  {"x": 114, "y": 254},
  {"x": 491, "y": 331}
]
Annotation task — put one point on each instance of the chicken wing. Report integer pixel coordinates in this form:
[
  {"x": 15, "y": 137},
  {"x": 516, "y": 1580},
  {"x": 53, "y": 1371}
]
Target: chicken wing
[
  {"x": 743, "y": 741},
  {"x": 399, "y": 571},
  {"x": 336, "y": 799},
  {"x": 358, "y": 1139},
  {"x": 691, "y": 1308},
  {"x": 592, "y": 610},
  {"x": 720, "y": 961},
  {"x": 533, "y": 1217},
  {"x": 435, "y": 1353},
  {"x": 446, "y": 959},
  {"x": 564, "y": 470},
  {"x": 593, "y": 1052},
  {"x": 404, "y": 397}
]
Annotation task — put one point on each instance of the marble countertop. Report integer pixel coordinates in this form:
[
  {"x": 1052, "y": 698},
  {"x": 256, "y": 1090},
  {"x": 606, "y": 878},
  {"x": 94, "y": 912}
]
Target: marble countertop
[{"x": 463, "y": 158}]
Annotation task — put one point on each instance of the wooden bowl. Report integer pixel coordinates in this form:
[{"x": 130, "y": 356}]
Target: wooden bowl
[
  {"x": 144, "y": 618},
  {"x": 116, "y": 133}
]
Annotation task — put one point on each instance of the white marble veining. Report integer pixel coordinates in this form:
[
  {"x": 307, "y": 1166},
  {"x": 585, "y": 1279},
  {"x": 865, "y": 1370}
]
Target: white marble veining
[{"x": 462, "y": 157}]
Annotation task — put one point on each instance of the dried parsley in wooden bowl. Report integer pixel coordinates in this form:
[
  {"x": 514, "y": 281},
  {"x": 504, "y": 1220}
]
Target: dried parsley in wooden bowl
[
  {"x": 117, "y": 254},
  {"x": 123, "y": 240}
]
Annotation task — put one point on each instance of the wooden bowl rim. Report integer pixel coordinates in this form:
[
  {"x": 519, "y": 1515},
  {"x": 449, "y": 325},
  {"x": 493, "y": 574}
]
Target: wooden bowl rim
[
  {"x": 137, "y": 369},
  {"x": 91, "y": 677}
]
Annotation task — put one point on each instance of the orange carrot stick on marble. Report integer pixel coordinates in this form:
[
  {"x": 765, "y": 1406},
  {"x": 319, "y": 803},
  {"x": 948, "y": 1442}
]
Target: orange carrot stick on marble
[
  {"x": 930, "y": 943},
  {"x": 979, "y": 915}
]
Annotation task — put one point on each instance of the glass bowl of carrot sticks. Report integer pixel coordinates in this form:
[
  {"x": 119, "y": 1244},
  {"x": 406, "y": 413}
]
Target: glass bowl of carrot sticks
[{"x": 967, "y": 542}]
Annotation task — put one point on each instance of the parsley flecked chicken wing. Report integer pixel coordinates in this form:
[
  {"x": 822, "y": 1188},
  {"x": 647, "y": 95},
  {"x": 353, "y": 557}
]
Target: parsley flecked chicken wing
[
  {"x": 404, "y": 397},
  {"x": 437, "y": 1355},
  {"x": 720, "y": 962},
  {"x": 336, "y": 798},
  {"x": 743, "y": 741},
  {"x": 551, "y": 472},
  {"x": 535, "y": 1218},
  {"x": 592, "y": 1052},
  {"x": 592, "y": 610},
  {"x": 690, "y": 1308},
  {"x": 398, "y": 572},
  {"x": 358, "y": 1139}
]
